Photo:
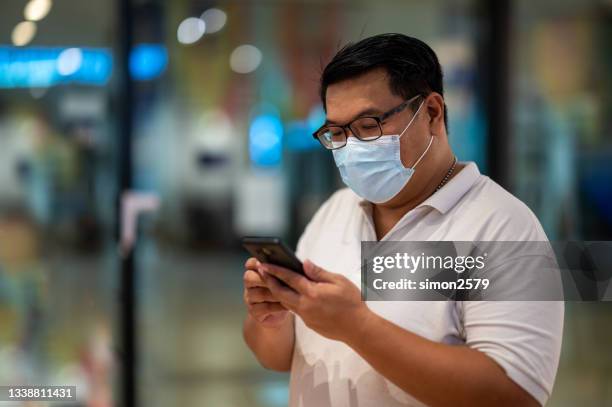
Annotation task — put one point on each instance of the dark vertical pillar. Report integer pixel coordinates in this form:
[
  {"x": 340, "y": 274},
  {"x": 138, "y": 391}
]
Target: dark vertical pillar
[
  {"x": 127, "y": 307},
  {"x": 494, "y": 70}
]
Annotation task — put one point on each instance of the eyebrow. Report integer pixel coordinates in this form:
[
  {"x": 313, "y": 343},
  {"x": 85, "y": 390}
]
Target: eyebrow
[{"x": 370, "y": 111}]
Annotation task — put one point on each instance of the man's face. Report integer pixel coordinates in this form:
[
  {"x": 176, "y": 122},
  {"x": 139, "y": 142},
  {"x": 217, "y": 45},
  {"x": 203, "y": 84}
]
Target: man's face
[{"x": 370, "y": 95}]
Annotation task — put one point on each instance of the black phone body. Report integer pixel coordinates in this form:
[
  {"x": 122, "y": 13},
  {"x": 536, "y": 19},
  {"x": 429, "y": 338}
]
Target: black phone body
[{"x": 272, "y": 250}]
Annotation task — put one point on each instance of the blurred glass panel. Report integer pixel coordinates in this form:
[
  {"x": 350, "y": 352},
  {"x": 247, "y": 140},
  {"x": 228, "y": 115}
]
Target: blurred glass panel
[
  {"x": 562, "y": 145},
  {"x": 57, "y": 192},
  {"x": 561, "y": 158}
]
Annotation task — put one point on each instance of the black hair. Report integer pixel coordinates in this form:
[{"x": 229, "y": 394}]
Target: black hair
[{"x": 411, "y": 65}]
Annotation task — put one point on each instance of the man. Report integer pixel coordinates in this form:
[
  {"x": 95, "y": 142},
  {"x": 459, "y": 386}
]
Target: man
[{"x": 386, "y": 127}]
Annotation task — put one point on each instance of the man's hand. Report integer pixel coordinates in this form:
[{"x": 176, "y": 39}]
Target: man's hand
[
  {"x": 328, "y": 303},
  {"x": 261, "y": 303}
]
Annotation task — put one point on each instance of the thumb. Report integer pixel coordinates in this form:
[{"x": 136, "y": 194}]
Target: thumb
[{"x": 316, "y": 273}]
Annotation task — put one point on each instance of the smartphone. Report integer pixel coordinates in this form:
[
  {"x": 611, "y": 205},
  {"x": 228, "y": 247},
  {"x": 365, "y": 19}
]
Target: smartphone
[{"x": 272, "y": 250}]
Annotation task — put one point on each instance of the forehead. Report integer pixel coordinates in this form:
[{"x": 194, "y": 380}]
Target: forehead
[{"x": 348, "y": 98}]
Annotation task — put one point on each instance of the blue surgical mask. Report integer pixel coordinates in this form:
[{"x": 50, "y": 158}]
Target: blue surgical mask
[{"x": 374, "y": 169}]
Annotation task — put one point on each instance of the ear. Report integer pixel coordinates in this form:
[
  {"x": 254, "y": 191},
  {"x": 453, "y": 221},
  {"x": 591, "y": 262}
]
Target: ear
[{"x": 435, "y": 110}]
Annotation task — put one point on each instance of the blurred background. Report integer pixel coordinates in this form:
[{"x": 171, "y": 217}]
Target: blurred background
[{"x": 205, "y": 108}]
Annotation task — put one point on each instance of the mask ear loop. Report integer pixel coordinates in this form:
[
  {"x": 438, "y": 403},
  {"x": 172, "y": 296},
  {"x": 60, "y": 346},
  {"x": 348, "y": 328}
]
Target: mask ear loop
[
  {"x": 411, "y": 120},
  {"x": 424, "y": 152},
  {"x": 430, "y": 139}
]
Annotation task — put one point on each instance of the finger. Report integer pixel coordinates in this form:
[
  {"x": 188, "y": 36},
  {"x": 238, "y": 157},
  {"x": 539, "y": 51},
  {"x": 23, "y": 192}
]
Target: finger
[
  {"x": 316, "y": 273},
  {"x": 262, "y": 310},
  {"x": 294, "y": 280},
  {"x": 259, "y": 294},
  {"x": 251, "y": 264},
  {"x": 285, "y": 295},
  {"x": 253, "y": 279}
]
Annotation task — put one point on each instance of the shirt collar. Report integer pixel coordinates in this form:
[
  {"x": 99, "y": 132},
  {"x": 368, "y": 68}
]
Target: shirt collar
[{"x": 447, "y": 196}]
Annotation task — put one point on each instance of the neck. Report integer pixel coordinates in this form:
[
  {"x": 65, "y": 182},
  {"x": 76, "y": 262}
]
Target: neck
[{"x": 386, "y": 216}]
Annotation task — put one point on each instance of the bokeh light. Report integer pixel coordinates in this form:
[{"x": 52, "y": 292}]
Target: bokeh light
[
  {"x": 36, "y": 10},
  {"x": 265, "y": 140},
  {"x": 23, "y": 33},
  {"x": 69, "y": 61},
  {"x": 214, "y": 19},
  {"x": 148, "y": 61},
  {"x": 245, "y": 58},
  {"x": 190, "y": 30}
]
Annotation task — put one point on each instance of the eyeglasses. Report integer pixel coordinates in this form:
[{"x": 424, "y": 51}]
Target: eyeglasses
[{"x": 365, "y": 128}]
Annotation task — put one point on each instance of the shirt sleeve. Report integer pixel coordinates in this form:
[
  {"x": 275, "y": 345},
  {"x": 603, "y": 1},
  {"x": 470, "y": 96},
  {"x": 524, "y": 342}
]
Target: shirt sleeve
[{"x": 523, "y": 337}]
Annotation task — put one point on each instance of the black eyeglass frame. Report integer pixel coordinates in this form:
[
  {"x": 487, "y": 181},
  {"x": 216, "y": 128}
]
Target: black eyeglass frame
[{"x": 379, "y": 121}]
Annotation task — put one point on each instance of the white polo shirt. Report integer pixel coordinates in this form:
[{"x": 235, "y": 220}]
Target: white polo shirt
[{"x": 524, "y": 338}]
